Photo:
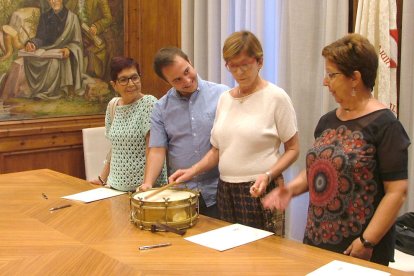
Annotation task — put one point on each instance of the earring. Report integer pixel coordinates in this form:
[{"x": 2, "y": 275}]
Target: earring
[{"x": 353, "y": 93}]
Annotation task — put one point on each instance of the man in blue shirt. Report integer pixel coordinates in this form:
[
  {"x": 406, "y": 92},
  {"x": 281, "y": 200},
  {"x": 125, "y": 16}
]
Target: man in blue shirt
[{"x": 181, "y": 123}]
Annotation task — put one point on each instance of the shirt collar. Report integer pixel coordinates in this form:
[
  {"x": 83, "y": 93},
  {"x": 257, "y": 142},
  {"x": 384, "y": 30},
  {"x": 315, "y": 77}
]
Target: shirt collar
[{"x": 61, "y": 14}]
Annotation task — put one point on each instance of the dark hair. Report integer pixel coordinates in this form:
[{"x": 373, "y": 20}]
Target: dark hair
[
  {"x": 120, "y": 63},
  {"x": 242, "y": 41},
  {"x": 352, "y": 53},
  {"x": 165, "y": 57}
]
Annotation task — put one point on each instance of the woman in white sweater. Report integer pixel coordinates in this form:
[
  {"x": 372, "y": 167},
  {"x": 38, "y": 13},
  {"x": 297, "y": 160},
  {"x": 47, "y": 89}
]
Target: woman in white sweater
[{"x": 252, "y": 121}]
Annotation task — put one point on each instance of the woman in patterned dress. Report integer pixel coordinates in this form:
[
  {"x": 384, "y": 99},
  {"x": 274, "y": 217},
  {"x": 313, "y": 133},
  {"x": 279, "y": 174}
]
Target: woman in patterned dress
[
  {"x": 356, "y": 171},
  {"x": 128, "y": 129}
]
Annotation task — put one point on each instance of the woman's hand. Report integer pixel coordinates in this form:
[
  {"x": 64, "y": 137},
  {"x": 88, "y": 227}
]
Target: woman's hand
[
  {"x": 358, "y": 250},
  {"x": 182, "y": 175},
  {"x": 96, "y": 181},
  {"x": 260, "y": 185},
  {"x": 278, "y": 198},
  {"x": 144, "y": 187}
]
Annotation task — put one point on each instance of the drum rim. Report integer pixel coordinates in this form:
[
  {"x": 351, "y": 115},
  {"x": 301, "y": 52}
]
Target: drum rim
[{"x": 193, "y": 192}]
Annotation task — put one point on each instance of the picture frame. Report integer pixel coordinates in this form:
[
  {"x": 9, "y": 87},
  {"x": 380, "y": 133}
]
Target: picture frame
[{"x": 21, "y": 98}]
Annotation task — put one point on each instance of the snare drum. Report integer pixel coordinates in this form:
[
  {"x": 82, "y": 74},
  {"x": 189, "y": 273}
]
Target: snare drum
[{"x": 175, "y": 207}]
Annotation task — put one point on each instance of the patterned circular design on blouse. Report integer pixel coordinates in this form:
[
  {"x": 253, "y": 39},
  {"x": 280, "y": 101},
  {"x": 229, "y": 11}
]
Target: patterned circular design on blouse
[{"x": 341, "y": 185}]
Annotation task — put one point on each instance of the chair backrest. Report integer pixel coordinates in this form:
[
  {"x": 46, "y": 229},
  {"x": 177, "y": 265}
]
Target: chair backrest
[{"x": 95, "y": 148}]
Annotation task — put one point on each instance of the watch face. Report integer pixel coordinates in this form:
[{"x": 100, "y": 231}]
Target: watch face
[{"x": 367, "y": 244}]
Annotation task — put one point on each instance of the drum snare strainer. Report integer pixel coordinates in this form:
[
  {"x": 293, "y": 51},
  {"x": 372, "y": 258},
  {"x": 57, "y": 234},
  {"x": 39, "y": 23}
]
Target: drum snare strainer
[{"x": 175, "y": 207}]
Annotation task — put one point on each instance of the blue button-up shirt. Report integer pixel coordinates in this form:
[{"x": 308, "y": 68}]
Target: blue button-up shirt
[{"x": 183, "y": 126}]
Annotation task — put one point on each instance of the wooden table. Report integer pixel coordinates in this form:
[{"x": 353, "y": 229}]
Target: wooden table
[{"x": 98, "y": 238}]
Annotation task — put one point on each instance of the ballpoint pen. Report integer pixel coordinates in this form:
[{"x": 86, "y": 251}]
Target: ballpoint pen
[
  {"x": 145, "y": 247},
  {"x": 59, "y": 207}
]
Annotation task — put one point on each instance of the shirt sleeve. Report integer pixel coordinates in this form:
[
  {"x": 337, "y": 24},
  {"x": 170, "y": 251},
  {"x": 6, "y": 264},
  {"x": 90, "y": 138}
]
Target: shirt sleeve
[
  {"x": 158, "y": 137},
  {"x": 392, "y": 152},
  {"x": 213, "y": 137},
  {"x": 285, "y": 118},
  {"x": 108, "y": 122},
  {"x": 148, "y": 108}
]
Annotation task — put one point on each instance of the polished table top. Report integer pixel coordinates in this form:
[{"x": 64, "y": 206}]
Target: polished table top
[{"x": 98, "y": 239}]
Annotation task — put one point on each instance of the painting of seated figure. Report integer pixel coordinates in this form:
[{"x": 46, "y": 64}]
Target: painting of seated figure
[{"x": 55, "y": 54}]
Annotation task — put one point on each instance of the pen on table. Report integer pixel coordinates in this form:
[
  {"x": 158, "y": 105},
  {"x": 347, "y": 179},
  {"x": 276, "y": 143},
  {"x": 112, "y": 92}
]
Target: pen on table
[
  {"x": 145, "y": 247},
  {"x": 59, "y": 207},
  {"x": 44, "y": 196}
]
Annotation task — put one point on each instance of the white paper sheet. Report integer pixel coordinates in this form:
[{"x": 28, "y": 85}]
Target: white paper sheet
[
  {"x": 93, "y": 195},
  {"x": 229, "y": 236},
  {"x": 339, "y": 268}
]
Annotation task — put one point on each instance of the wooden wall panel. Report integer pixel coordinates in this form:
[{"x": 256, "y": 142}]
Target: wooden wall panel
[
  {"x": 56, "y": 143},
  {"x": 63, "y": 159},
  {"x": 160, "y": 26}
]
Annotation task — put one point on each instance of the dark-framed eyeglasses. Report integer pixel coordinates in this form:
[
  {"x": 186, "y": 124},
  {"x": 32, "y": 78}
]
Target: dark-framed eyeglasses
[
  {"x": 125, "y": 80},
  {"x": 331, "y": 76}
]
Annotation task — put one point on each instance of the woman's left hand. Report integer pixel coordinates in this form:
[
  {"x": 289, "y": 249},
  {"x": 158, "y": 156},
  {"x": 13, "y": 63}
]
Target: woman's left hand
[
  {"x": 259, "y": 187},
  {"x": 357, "y": 250}
]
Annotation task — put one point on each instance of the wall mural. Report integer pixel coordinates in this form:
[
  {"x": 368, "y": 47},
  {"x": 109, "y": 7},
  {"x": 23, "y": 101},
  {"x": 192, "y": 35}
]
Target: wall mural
[{"x": 54, "y": 56}]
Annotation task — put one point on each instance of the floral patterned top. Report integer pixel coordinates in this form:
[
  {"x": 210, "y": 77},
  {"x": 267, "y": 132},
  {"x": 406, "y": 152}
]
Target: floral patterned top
[{"x": 346, "y": 169}]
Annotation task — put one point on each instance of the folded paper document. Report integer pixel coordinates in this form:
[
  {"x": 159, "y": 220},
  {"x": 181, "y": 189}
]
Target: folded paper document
[
  {"x": 42, "y": 53},
  {"x": 93, "y": 195}
]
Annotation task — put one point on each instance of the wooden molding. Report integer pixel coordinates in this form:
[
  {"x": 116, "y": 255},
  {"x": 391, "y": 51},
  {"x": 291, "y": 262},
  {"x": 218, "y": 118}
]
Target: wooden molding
[{"x": 50, "y": 125}]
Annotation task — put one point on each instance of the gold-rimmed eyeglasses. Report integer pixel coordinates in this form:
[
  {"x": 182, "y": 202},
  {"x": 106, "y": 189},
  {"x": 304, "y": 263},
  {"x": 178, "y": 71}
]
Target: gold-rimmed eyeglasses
[
  {"x": 125, "y": 80},
  {"x": 331, "y": 76}
]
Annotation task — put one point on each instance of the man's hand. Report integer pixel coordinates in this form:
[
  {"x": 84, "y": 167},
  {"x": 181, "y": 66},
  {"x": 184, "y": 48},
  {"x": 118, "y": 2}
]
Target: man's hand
[
  {"x": 93, "y": 30},
  {"x": 30, "y": 47},
  {"x": 182, "y": 175},
  {"x": 65, "y": 52}
]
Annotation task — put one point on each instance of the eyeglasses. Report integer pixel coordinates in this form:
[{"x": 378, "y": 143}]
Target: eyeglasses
[
  {"x": 125, "y": 80},
  {"x": 243, "y": 67},
  {"x": 331, "y": 76}
]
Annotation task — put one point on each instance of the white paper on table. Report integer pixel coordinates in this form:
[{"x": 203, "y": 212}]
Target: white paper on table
[
  {"x": 229, "y": 236},
  {"x": 339, "y": 268},
  {"x": 95, "y": 194}
]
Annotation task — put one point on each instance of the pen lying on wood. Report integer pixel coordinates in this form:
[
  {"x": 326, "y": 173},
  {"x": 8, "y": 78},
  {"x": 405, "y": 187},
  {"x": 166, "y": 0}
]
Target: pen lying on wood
[
  {"x": 145, "y": 247},
  {"x": 59, "y": 207}
]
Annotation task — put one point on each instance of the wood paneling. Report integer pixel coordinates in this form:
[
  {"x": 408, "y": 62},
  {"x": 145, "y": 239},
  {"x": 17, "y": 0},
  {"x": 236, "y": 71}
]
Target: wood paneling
[
  {"x": 50, "y": 143},
  {"x": 56, "y": 143},
  {"x": 159, "y": 25}
]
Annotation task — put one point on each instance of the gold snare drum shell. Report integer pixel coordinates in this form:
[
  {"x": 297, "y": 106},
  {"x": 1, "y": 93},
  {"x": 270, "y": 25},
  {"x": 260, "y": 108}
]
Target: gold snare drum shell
[{"x": 175, "y": 207}]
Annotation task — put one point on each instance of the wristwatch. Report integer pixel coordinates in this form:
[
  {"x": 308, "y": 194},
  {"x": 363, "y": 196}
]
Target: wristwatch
[{"x": 366, "y": 243}]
